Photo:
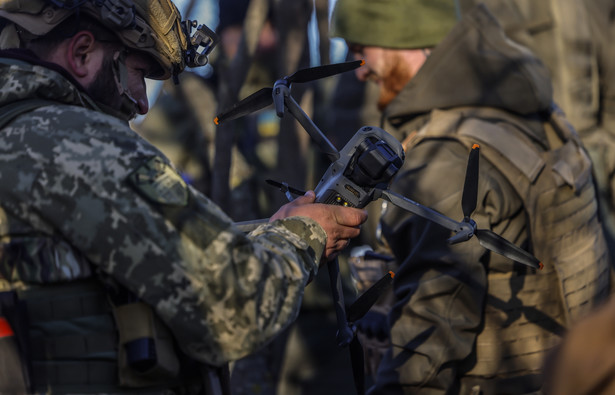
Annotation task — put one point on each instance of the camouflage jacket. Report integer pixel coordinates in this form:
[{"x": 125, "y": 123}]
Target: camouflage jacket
[{"x": 82, "y": 194}]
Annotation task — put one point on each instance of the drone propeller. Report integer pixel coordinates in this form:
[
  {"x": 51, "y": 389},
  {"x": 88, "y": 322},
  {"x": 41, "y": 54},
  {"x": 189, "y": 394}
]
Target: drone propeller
[
  {"x": 264, "y": 97},
  {"x": 318, "y": 72},
  {"x": 487, "y": 238},
  {"x": 256, "y": 101},
  {"x": 287, "y": 189},
  {"x": 361, "y": 306},
  {"x": 496, "y": 243},
  {"x": 465, "y": 229},
  {"x": 348, "y": 336},
  {"x": 355, "y": 312}
]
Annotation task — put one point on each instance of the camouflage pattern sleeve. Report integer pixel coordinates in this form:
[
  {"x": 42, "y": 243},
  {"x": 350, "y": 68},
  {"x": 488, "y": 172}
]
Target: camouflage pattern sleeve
[
  {"x": 90, "y": 180},
  {"x": 236, "y": 290}
]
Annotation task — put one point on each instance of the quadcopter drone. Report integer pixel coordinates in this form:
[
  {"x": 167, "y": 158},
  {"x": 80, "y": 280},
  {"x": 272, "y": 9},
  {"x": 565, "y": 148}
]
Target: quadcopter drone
[{"x": 359, "y": 174}]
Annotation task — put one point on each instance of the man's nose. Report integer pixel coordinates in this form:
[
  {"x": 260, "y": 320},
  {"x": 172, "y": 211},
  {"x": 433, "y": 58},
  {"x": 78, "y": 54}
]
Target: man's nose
[
  {"x": 143, "y": 105},
  {"x": 140, "y": 95}
]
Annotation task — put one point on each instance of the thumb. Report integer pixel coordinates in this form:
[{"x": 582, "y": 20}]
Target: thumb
[
  {"x": 311, "y": 195},
  {"x": 308, "y": 198}
]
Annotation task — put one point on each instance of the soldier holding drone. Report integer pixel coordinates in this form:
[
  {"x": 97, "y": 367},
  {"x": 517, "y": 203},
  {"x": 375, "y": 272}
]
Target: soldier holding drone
[{"x": 117, "y": 276}]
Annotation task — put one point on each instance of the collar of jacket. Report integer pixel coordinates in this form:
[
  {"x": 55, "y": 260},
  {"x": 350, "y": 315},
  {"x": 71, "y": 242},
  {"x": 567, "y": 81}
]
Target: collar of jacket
[
  {"x": 28, "y": 56},
  {"x": 60, "y": 85}
]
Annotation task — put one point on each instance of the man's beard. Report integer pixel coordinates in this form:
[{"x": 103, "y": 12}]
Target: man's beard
[
  {"x": 104, "y": 91},
  {"x": 393, "y": 81}
]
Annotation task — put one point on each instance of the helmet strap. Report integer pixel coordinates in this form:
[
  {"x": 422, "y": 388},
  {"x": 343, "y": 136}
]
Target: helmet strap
[
  {"x": 9, "y": 37},
  {"x": 120, "y": 75}
]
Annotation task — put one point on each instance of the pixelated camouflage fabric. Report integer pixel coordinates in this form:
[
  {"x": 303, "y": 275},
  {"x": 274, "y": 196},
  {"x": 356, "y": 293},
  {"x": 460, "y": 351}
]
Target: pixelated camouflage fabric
[{"x": 71, "y": 201}]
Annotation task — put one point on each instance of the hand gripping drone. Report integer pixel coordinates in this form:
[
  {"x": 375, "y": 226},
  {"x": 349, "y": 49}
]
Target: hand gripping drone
[{"x": 359, "y": 174}]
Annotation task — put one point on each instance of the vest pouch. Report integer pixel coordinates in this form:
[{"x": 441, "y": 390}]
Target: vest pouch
[
  {"x": 146, "y": 352},
  {"x": 575, "y": 173}
]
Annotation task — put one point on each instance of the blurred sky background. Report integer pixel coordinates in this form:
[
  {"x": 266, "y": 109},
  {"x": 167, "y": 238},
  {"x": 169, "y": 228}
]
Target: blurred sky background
[{"x": 206, "y": 12}]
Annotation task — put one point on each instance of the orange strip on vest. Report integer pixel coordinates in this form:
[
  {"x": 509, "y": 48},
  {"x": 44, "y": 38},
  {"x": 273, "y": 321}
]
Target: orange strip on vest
[{"x": 5, "y": 328}]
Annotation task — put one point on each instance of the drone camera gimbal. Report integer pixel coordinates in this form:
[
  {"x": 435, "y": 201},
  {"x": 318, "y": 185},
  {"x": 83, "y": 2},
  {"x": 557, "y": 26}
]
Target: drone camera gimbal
[{"x": 368, "y": 161}]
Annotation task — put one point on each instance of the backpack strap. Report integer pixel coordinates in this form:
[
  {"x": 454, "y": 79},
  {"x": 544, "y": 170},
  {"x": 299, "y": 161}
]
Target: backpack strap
[
  {"x": 523, "y": 165},
  {"x": 11, "y": 111},
  {"x": 525, "y": 156}
]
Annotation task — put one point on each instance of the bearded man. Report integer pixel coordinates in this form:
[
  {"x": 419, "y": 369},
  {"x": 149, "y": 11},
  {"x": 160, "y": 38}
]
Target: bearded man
[{"x": 466, "y": 320}]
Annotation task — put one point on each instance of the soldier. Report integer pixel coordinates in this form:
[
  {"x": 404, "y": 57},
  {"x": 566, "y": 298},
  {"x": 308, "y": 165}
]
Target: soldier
[
  {"x": 117, "y": 277},
  {"x": 466, "y": 320}
]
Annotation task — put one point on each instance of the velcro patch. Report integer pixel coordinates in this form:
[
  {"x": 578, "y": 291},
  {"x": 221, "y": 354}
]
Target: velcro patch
[{"x": 160, "y": 183}]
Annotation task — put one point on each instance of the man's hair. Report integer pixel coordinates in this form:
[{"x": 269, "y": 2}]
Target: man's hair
[{"x": 43, "y": 46}]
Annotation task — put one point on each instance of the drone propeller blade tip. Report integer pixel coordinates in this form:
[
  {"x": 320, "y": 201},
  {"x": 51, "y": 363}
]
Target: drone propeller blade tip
[
  {"x": 362, "y": 62},
  {"x": 496, "y": 243},
  {"x": 392, "y": 274},
  {"x": 217, "y": 121},
  {"x": 475, "y": 146}
]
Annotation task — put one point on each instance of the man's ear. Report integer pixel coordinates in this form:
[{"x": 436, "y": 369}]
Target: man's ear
[{"x": 81, "y": 55}]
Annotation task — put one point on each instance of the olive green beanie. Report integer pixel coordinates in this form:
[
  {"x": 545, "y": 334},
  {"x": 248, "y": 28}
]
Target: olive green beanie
[{"x": 405, "y": 24}]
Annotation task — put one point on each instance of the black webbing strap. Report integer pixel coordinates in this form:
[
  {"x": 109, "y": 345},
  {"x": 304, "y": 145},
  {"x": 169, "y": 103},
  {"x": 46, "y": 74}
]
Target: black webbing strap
[{"x": 11, "y": 111}]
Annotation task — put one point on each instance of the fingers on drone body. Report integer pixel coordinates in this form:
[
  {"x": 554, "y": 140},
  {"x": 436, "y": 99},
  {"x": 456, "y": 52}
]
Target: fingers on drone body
[{"x": 339, "y": 223}]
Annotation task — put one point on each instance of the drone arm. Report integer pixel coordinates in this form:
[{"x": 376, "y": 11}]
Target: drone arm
[
  {"x": 419, "y": 209},
  {"x": 310, "y": 127}
]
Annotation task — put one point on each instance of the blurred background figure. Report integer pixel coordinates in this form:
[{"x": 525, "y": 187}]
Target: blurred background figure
[
  {"x": 181, "y": 123},
  {"x": 574, "y": 38}
]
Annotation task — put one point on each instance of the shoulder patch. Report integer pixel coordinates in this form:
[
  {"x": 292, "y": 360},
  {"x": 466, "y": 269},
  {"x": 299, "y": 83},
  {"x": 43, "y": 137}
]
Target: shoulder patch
[{"x": 159, "y": 182}]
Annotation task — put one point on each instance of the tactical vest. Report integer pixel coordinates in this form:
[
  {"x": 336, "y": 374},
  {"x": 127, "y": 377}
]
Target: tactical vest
[
  {"x": 73, "y": 340},
  {"x": 526, "y": 312}
]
